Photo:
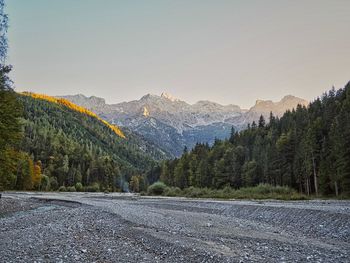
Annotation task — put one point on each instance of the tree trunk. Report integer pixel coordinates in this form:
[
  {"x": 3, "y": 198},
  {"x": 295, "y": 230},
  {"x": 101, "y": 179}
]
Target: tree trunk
[
  {"x": 336, "y": 188},
  {"x": 315, "y": 175}
]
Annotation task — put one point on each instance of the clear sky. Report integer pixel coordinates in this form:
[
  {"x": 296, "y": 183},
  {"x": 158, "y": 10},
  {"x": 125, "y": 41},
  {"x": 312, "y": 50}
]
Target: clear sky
[{"x": 224, "y": 51}]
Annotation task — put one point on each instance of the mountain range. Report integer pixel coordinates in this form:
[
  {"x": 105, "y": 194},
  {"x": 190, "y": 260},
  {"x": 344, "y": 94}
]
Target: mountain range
[{"x": 172, "y": 124}]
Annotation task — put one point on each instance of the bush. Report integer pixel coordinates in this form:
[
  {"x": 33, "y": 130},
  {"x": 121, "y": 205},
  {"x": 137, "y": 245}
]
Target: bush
[
  {"x": 193, "y": 192},
  {"x": 158, "y": 188},
  {"x": 95, "y": 187},
  {"x": 172, "y": 191},
  {"x": 227, "y": 190},
  {"x": 71, "y": 189},
  {"x": 62, "y": 189},
  {"x": 79, "y": 187}
]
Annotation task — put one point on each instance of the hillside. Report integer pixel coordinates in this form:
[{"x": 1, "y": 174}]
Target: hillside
[
  {"x": 75, "y": 107},
  {"x": 73, "y": 145},
  {"x": 173, "y": 124}
]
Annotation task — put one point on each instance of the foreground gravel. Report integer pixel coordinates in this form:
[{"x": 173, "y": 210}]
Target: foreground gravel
[{"x": 81, "y": 227}]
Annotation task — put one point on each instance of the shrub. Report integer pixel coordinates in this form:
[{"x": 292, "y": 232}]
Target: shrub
[
  {"x": 158, "y": 188},
  {"x": 193, "y": 192},
  {"x": 71, "y": 189},
  {"x": 172, "y": 191},
  {"x": 95, "y": 187},
  {"x": 79, "y": 187},
  {"x": 62, "y": 189},
  {"x": 227, "y": 190}
]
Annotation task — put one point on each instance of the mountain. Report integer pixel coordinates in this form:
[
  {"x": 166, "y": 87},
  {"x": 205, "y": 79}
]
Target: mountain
[
  {"x": 264, "y": 107},
  {"x": 73, "y": 145},
  {"x": 172, "y": 124}
]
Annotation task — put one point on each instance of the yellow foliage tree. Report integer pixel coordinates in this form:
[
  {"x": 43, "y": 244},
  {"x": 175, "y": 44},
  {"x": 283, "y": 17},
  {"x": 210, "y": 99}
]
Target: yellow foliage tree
[{"x": 36, "y": 175}]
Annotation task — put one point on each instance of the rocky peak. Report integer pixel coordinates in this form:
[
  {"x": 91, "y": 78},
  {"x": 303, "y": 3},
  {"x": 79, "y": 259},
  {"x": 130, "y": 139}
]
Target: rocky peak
[
  {"x": 288, "y": 97},
  {"x": 292, "y": 100},
  {"x": 149, "y": 96},
  {"x": 169, "y": 97}
]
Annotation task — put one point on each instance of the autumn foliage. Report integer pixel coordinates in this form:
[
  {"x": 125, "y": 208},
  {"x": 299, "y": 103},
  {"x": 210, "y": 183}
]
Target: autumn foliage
[
  {"x": 36, "y": 179},
  {"x": 75, "y": 107}
]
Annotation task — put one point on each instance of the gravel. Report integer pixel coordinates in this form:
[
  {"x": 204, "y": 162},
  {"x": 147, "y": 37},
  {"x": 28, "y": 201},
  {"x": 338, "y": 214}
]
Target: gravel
[{"x": 96, "y": 227}]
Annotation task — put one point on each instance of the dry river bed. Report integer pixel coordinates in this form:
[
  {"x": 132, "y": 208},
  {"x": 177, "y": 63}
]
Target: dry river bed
[{"x": 97, "y": 227}]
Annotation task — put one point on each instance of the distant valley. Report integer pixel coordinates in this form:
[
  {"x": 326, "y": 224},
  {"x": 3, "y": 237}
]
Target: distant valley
[{"x": 172, "y": 124}]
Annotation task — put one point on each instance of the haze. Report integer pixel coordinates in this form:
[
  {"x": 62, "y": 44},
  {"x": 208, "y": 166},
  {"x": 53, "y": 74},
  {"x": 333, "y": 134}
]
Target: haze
[{"x": 224, "y": 51}]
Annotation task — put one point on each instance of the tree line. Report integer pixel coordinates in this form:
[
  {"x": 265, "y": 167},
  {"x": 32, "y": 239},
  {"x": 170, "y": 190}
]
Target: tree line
[{"x": 308, "y": 149}]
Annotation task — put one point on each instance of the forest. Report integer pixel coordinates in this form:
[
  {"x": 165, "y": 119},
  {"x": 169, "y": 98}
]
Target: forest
[{"x": 307, "y": 149}]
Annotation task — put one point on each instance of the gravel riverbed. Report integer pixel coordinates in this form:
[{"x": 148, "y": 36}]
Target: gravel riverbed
[{"x": 88, "y": 227}]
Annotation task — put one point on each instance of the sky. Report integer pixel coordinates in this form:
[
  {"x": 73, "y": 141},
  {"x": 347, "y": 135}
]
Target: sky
[{"x": 227, "y": 51}]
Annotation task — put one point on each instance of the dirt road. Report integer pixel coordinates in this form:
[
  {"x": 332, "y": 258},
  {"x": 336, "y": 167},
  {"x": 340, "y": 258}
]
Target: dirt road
[{"x": 87, "y": 227}]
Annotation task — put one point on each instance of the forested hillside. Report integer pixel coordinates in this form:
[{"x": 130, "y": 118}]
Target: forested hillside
[
  {"x": 65, "y": 146},
  {"x": 307, "y": 149},
  {"x": 75, "y": 107}
]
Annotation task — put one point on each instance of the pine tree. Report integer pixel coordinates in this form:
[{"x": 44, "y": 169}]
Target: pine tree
[
  {"x": 261, "y": 123},
  {"x": 232, "y": 135}
]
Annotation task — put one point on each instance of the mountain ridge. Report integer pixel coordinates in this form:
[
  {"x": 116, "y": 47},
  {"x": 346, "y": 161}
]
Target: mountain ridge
[
  {"x": 172, "y": 99},
  {"x": 179, "y": 123}
]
